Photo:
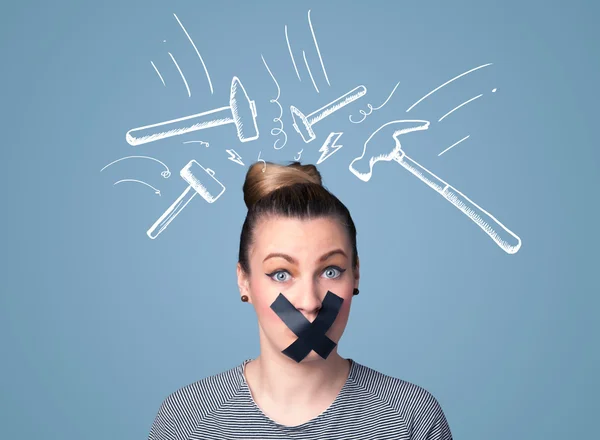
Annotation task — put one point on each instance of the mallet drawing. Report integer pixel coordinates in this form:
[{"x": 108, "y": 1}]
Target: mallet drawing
[
  {"x": 241, "y": 112},
  {"x": 201, "y": 181},
  {"x": 379, "y": 150}
]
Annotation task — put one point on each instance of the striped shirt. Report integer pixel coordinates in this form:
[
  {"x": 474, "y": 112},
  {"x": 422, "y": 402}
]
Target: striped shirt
[{"x": 370, "y": 406}]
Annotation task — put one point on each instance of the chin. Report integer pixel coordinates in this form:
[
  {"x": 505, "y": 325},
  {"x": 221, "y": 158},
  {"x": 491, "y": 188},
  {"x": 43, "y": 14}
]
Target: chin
[{"x": 313, "y": 356}]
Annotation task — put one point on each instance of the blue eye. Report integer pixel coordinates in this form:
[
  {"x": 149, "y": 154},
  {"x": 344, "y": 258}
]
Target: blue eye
[
  {"x": 333, "y": 269},
  {"x": 332, "y": 272},
  {"x": 276, "y": 276}
]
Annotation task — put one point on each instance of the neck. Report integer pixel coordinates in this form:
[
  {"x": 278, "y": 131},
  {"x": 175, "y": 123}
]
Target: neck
[{"x": 275, "y": 378}]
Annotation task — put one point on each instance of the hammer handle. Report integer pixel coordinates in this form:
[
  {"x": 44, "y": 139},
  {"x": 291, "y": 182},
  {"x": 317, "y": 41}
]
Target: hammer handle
[
  {"x": 171, "y": 212},
  {"x": 175, "y": 127},
  {"x": 501, "y": 235}
]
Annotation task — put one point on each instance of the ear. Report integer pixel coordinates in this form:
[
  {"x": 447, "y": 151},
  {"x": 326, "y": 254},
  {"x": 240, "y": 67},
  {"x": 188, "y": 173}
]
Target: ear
[
  {"x": 243, "y": 282},
  {"x": 357, "y": 273}
]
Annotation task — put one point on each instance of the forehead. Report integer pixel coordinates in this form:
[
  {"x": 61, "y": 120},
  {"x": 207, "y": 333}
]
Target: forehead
[{"x": 299, "y": 237}]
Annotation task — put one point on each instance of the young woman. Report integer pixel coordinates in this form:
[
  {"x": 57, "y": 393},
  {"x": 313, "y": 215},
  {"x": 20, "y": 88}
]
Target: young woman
[{"x": 299, "y": 269}]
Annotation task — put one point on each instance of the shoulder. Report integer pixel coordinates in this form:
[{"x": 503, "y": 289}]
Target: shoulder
[
  {"x": 208, "y": 393},
  {"x": 404, "y": 396},
  {"x": 183, "y": 408},
  {"x": 418, "y": 407}
]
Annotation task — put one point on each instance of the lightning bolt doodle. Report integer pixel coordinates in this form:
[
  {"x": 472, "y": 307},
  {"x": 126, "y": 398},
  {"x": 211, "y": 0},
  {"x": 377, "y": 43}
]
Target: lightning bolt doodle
[
  {"x": 234, "y": 157},
  {"x": 329, "y": 147}
]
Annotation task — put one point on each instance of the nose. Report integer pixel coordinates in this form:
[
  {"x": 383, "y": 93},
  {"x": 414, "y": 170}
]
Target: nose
[{"x": 308, "y": 299}]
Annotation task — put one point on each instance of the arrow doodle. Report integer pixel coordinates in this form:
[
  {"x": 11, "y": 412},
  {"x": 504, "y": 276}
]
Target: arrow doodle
[
  {"x": 206, "y": 144},
  {"x": 156, "y": 191},
  {"x": 166, "y": 174}
]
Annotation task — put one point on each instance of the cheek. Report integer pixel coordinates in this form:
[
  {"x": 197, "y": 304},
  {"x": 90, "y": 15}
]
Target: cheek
[
  {"x": 264, "y": 296},
  {"x": 347, "y": 296},
  {"x": 344, "y": 313},
  {"x": 268, "y": 317}
]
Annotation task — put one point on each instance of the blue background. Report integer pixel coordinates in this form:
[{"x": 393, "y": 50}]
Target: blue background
[{"x": 98, "y": 323}]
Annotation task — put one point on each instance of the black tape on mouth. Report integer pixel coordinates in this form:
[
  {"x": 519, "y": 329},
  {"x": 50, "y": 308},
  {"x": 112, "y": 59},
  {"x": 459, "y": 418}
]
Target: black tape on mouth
[{"x": 311, "y": 335}]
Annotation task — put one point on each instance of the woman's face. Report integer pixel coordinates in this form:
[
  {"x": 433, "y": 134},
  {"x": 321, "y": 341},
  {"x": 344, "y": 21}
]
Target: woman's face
[{"x": 302, "y": 259}]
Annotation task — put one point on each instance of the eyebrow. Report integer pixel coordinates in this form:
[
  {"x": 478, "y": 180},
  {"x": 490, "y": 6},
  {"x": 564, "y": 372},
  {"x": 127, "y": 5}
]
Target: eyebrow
[{"x": 293, "y": 261}]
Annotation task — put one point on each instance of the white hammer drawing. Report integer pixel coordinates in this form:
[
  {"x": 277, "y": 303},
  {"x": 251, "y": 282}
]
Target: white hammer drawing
[
  {"x": 201, "y": 181},
  {"x": 241, "y": 112},
  {"x": 303, "y": 123},
  {"x": 379, "y": 150}
]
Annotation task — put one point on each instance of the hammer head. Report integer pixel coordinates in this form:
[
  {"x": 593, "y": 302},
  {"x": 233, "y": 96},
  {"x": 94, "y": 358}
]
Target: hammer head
[
  {"x": 384, "y": 144},
  {"x": 202, "y": 180},
  {"x": 243, "y": 111},
  {"x": 302, "y": 125}
]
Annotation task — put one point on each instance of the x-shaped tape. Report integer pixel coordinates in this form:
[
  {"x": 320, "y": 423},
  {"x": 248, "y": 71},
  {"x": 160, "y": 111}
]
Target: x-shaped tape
[{"x": 311, "y": 335}]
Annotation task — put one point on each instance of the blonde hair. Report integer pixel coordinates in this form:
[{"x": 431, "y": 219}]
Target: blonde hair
[
  {"x": 292, "y": 190},
  {"x": 262, "y": 179}
]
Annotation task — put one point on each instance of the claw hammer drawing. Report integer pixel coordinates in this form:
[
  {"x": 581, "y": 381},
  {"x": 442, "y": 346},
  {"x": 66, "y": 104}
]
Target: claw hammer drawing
[{"x": 501, "y": 235}]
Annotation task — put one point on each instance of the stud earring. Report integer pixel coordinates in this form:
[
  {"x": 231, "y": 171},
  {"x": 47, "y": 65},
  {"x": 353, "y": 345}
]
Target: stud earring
[
  {"x": 355, "y": 292},
  {"x": 244, "y": 298}
]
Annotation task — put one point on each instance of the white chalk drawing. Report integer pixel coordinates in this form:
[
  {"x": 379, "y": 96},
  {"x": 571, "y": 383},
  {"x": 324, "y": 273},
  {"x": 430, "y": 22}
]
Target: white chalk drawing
[
  {"x": 371, "y": 108},
  {"x": 448, "y": 82},
  {"x": 303, "y": 123},
  {"x": 159, "y": 75},
  {"x": 197, "y": 53},
  {"x": 451, "y": 111},
  {"x": 200, "y": 181},
  {"x": 166, "y": 174},
  {"x": 234, "y": 156},
  {"x": 312, "y": 31},
  {"x": 459, "y": 106},
  {"x": 317, "y": 47},
  {"x": 263, "y": 161},
  {"x": 156, "y": 191},
  {"x": 454, "y": 145},
  {"x": 181, "y": 73},
  {"x": 299, "y": 155},
  {"x": 501, "y": 235},
  {"x": 206, "y": 144},
  {"x": 309, "y": 72},
  {"x": 276, "y": 130},
  {"x": 241, "y": 112},
  {"x": 329, "y": 146},
  {"x": 291, "y": 54}
]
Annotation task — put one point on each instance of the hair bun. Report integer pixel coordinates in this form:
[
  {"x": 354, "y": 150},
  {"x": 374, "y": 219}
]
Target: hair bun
[{"x": 264, "y": 178}]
